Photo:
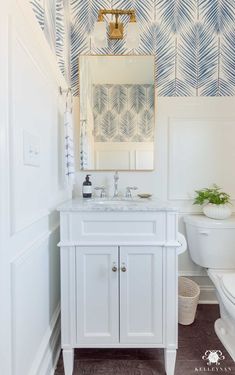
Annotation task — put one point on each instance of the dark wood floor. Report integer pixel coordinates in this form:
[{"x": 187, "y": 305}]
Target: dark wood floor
[{"x": 194, "y": 340}]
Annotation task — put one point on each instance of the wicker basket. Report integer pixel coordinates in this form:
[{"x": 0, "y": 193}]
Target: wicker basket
[{"x": 189, "y": 293}]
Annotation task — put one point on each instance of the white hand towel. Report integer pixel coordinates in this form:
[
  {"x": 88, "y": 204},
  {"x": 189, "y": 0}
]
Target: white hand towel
[{"x": 69, "y": 148}]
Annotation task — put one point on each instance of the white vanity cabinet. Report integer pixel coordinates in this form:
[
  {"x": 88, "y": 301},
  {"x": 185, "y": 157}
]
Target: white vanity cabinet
[
  {"x": 97, "y": 295},
  {"x": 119, "y": 275},
  {"x": 119, "y": 289},
  {"x": 141, "y": 290}
]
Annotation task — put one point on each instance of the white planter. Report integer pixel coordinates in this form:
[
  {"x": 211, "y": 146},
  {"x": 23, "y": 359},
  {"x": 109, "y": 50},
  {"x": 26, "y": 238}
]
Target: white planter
[{"x": 217, "y": 211}]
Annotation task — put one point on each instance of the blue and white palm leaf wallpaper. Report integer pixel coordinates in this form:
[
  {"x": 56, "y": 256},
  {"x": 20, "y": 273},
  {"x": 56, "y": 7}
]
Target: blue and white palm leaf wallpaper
[
  {"x": 60, "y": 36},
  {"x": 38, "y": 8},
  {"x": 198, "y": 54},
  {"x": 154, "y": 41},
  {"x": 137, "y": 97},
  {"x": 108, "y": 125},
  {"x": 228, "y": 57},
  {"x": 144, "y": 9},
  {"x": 50, "y": 23},
  {"x": 123, "y": 113},
  {"x": 127, "y": 125},
  {"x": 217, "y": 14},
  {"x": 146, "y": 124},
  {"x": 100, "y": 98},
  {"x": 192, "y": 40},
  {"x": 175, "y": 15},
  {"x": 118, "y": 98},
  {"x": 52, "y": 16}
]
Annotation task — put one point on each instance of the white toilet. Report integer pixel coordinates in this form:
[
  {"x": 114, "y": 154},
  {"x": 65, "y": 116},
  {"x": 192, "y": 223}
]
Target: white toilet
[{"x": 211, "y": 245}]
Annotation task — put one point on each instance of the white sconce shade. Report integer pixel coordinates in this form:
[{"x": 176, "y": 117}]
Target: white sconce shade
[
  {"x": 132, "y": 35},
  {"x": 116, "y": 29},
  {"x": 99, "y": 35}
]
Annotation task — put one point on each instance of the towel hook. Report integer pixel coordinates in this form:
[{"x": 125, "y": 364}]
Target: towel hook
[
  {"x": 64, "y": 91},
  {"x": 69, "y": 97},
  {"x": 68, "y": 100}
]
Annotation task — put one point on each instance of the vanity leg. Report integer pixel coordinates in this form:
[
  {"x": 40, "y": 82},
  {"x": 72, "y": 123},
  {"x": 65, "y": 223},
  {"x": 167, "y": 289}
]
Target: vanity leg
[
  {"x": 170, "y": 358},
  {"x": 68, "y": 357}
]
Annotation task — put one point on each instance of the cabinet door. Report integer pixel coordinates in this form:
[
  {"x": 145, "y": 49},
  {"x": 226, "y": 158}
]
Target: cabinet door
[
  {"x": 97, "y": 295},
  {"x": 141, "y": 295}
]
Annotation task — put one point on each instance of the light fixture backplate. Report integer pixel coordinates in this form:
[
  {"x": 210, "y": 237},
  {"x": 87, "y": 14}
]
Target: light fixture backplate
[{"x": 116, "y": 32}]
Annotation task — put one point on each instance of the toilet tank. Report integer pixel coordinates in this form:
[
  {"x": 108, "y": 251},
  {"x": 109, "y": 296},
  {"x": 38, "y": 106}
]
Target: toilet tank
[{"x": 211, "y": 242}]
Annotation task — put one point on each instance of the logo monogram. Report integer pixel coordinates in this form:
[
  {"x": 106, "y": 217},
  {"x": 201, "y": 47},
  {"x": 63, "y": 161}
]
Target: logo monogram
[{"x": 213, "y": 357}]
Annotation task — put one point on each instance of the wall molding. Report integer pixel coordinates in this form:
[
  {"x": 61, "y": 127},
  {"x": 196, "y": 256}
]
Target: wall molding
[
  {"x": 175, "y": 124},
  {"x": 15, "y": 38},
  {"x": 51, "y": 337},
  {"x": 48, "y": 353},
  {"x": 28, "y": 223},
  {"x": 32, "y": 246}
]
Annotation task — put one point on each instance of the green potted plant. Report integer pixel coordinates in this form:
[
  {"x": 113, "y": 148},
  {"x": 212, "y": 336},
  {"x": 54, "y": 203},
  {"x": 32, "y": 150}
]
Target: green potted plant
[{"x": 214, "y": 202}]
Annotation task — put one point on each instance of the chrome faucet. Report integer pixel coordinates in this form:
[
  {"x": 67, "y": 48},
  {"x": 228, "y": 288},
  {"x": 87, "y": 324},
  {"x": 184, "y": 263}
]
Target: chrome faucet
[
  {"x": 129, "y": 189},
  {"x": 102, "y": 191},
  {"x": 116, "y": 178}
]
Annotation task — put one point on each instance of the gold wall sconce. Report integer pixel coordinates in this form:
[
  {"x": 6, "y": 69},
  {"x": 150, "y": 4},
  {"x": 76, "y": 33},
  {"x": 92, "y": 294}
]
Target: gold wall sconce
[{"x": 116, "y": 28}]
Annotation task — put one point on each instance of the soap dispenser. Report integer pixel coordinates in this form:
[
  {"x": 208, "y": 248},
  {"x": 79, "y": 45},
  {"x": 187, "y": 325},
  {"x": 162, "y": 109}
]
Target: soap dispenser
[{"x": 87, "y": 187}]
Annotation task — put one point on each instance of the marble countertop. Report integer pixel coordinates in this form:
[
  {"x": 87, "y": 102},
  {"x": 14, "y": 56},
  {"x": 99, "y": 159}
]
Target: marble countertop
[{"x": 118, "y": 205}]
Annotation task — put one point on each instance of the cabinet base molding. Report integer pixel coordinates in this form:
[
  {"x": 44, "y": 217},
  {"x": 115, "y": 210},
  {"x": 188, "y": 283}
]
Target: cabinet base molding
[{"x": 117, "y": 346}]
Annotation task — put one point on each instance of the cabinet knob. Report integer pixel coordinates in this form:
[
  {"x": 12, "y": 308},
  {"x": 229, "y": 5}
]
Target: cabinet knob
[
  {"x": 114, "y": 269},
  {"x": 123, "y": 268}
]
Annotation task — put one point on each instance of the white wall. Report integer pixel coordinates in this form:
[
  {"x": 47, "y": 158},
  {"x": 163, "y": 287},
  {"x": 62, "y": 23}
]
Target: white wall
[
  {"x": 29, "y": 257},
  {"x": 195, "y": 147}
]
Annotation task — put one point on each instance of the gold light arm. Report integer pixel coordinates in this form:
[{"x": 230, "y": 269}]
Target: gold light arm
[
  {"x": 119, "y": 12},
  {"x": 116, "y": 29},
  {"x": 116, "y": 20}
]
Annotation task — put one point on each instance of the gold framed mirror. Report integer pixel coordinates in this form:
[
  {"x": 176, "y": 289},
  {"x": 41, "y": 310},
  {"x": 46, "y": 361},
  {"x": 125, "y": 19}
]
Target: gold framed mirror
[{"x": 117, "y": 112}]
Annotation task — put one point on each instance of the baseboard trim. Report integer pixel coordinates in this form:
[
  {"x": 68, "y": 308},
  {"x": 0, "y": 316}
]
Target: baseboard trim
[
  {"x": 207, "y": 291},
  {"x": 200, "y": 273},
  {"x": 49, "y": 350},
  {"x": 57, "y": 356},
  {"x": 208, "y": 295}
]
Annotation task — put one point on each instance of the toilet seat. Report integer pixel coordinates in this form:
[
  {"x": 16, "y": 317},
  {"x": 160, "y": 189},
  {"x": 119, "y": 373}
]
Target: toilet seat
[{"x": 228, "y": 286}]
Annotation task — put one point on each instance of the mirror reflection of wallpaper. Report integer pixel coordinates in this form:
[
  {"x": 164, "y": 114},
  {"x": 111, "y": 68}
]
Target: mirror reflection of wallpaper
[{"x": 123, "y": 113}]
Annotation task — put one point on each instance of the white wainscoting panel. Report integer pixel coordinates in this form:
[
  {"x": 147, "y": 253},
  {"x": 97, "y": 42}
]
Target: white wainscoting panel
[
  {"x": 35, "y": 296},
  {"x": 124, "y": 155},
  {"x": 29, "y": 257},
  {"x": 108, "y": 159},
  {"x": 28, "y": 92},
  {"x": 201, "y": 152}
]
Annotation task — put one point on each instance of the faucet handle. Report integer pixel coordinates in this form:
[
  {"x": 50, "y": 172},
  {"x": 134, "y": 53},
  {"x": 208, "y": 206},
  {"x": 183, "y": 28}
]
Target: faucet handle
[
  {"x": 102, "y": 191},
  {"x": 128, "y": 191}
]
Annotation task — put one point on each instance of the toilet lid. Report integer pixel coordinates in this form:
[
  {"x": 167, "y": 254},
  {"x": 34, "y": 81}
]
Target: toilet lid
[{"x": 228, "y": 282}]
